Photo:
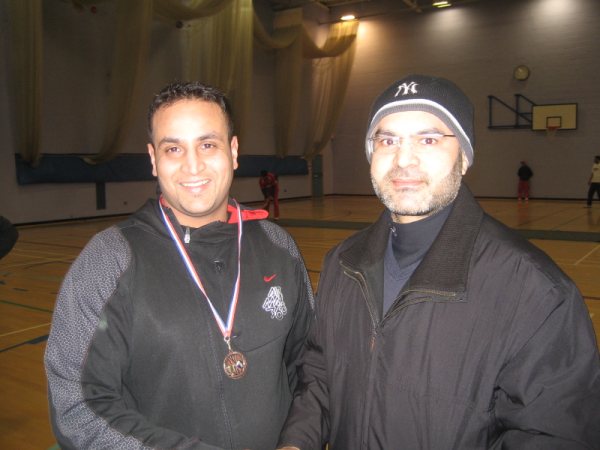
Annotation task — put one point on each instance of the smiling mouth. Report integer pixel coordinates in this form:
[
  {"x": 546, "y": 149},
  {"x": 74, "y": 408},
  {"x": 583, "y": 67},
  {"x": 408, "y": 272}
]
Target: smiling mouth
[{"x": 195, "y": 184}]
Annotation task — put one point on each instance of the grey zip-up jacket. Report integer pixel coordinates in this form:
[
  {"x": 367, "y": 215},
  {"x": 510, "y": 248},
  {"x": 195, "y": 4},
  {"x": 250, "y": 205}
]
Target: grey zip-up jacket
[
  {"x": 135, "y": 356},
  {"x": 488, "y": 346}
]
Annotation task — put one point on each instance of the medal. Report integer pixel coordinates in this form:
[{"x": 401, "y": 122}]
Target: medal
[{"x": 234, "y": 364}]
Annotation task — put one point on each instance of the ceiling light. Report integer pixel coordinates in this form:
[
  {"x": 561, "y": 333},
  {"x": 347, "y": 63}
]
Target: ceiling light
[
  {"x": 348, "y": 17},
  {"x": 441, "y": 4}
]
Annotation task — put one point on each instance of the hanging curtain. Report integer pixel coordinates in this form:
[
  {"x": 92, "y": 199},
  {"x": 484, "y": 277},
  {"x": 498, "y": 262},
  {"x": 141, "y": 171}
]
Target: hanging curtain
[
  {"x": 229, "y": 65},
  {"x": 288, "y": 87},
  {"x": 26, "y": 75},
  {"x": 281, "y": 38},
  {"x": 132, "y": 41},
  {"x": 292, "y": 45},
  {"x": 192, "y": 9},
  {"x": 218, "y": 51},
  {"x": 134, "y": 20},
  {"x": 329, "y": 84}
]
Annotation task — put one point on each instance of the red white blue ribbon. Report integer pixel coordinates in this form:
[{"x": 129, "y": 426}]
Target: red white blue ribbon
[{"x": 225, "y": 328}]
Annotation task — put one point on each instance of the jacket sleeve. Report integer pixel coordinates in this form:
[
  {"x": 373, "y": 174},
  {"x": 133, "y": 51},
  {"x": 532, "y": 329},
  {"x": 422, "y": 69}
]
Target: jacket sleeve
[
  {"x": 548, "y": 394},
  {"x": 303, "y": 317},
  {"x": 101, "y": 420},
  {"x": 307, "y": 425}
]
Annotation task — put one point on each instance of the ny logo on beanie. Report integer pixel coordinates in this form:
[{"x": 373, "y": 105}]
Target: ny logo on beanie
[{"x": 404, "y": 88}]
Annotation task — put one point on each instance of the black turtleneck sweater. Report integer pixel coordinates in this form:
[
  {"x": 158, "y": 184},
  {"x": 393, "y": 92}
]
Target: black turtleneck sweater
[{"x": 407, "y": 245}]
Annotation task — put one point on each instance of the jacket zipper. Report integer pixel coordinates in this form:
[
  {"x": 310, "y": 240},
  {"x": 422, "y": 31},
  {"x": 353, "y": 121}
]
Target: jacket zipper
[
  {"x": 396, "y": 308},
  {"x": 358, "y": 276},
  {"x": 362, "y": 282}
]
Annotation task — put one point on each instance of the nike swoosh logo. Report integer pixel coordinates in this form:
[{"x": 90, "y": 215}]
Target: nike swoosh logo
[{"x": 267, "y": 279}]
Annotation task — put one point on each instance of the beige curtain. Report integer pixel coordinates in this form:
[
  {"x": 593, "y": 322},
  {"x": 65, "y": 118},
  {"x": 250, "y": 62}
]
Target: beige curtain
[
  {"x": 26, "y": 75},
  {"x": 192, "y": 9},
  {"x": 329, "y": 84},
  {"x": 288, "y": 87},
  {"x": 281, "y": 38},
  {"x": 218, "y": 52},
  {"x": 134, "y": 21},
  {"x": 292, "y": 45}
]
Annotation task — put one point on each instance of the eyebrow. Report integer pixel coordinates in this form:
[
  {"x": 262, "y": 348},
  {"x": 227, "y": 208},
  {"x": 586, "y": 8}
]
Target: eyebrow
[
  {"x": 176, "y": 140},
  {"x": 432, "y": 130}
]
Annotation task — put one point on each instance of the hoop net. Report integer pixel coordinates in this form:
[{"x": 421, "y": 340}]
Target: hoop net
[
  {"x": 551, "y": 130},
  {"x": 553, "y": 123}
]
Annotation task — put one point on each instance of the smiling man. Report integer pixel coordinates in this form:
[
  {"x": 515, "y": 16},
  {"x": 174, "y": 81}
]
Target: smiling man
[
  {"x": 181, "y": 327},
  {"x": 437, "y": 327}
]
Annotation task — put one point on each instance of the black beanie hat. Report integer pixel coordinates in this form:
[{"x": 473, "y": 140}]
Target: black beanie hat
[{"x": 437, "y": 96}]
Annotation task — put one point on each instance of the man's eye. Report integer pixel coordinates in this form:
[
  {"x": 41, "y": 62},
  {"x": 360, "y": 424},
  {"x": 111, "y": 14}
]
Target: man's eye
[
  {"x": 172, "y": 150},
  {"x": 387, "y": 141},
  {"x": 429, "y": 140},
  {"x": 208, "y": 146}
]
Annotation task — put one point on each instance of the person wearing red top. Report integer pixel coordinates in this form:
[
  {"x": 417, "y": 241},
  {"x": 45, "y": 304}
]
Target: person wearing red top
[{"x": 269, "y": 185}]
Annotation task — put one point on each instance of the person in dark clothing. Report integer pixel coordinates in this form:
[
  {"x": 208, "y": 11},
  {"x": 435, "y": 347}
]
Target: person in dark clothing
[
  {"x": 594, "y": 182},
  {"x": 524, "y": 173},
  {"x": 181, "y": 327},
  {"x": 8, "y": 236},
  {"x": 438, "y": 327}
]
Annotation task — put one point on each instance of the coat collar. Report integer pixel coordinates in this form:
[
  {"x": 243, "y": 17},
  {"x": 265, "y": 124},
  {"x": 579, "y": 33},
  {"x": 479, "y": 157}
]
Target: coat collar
[{"x": 444, "y": 267}]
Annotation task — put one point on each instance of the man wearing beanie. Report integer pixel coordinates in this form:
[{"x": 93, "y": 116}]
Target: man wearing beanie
[{"x": 437, "y": 326}]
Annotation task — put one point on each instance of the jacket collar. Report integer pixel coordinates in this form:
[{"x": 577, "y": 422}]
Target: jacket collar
[
  {"x": 151, "y": 215},
  {"x": 247, "y": 214},
  {"x": 444, "y": 267}
]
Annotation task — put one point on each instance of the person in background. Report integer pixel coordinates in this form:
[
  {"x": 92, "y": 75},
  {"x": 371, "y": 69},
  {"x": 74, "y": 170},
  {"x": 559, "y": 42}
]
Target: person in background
[
  {"x": 438, "y": 327},
  {"x": 182, "y": 326},
  {"x": 269, "y": 186},
  {"x": 8, "y": 236},
  {"x": 594, "y": 182},
  {"x": 524, "y": 173}
]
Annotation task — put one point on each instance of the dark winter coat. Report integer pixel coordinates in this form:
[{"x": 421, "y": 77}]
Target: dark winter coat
[{"x": 488, "y": 346}]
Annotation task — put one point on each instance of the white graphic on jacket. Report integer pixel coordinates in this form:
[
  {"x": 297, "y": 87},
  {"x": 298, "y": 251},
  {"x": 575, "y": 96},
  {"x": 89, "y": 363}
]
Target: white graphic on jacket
[{"x": 274, "y": 303}]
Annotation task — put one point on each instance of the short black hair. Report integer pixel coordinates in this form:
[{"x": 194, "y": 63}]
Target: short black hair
[{"x": 190, "y": 90}]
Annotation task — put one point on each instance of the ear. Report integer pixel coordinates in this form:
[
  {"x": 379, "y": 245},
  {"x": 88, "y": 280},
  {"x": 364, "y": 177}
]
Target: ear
[
  {"x": 465, "y": 163},
  {"x": 234, "y": 151},
  {"x": 152, "y": 154}
]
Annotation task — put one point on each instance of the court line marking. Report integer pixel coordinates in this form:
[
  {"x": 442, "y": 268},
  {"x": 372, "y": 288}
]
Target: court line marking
[
  {"x": 38, "y": 263},
  {"x": 22, "y": 305},
  {"x": 24, "y": 329},
  {"x": 33, "y": 341},
  {"x": 587, "y": 254}
]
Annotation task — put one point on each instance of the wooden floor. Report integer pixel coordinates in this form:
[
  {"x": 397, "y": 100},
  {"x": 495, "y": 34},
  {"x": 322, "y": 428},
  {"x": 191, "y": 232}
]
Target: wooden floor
[{"x": 31, "y": 274}]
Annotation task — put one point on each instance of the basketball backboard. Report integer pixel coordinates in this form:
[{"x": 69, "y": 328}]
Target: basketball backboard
[{"x": 558, "y": 116}]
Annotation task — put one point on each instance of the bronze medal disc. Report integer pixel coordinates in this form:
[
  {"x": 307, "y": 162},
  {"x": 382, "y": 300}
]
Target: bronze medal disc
[{"x": 235, "y": 365}]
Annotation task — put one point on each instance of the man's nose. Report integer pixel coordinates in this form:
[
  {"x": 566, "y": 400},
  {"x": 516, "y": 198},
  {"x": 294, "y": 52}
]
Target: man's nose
[
  {"x": 194, "y": 162},
  {"x": 405, "y": 155}
]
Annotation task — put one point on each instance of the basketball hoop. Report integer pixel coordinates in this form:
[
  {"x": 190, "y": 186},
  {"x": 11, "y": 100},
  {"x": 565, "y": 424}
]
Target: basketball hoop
[
  {"x": 551, "y": 130},
  {"x": 553, "y": 123}
]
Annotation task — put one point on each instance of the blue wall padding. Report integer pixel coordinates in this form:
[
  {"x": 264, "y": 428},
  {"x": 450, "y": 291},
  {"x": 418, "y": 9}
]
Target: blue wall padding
[
  {"x": 71, "y": 168},
  {"x": 251, "y": 165}
]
